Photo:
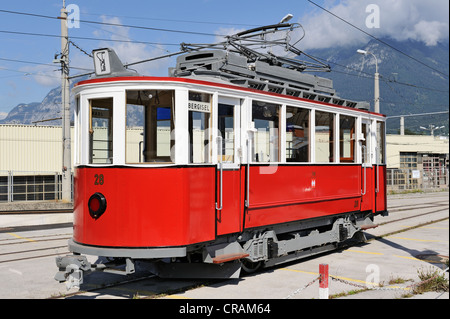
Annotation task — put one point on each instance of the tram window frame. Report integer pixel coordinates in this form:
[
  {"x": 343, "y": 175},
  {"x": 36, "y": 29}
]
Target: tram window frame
[
  {"x": 101, "y": 110},
  {"x": 77, "y": 131},
  {"x": 298, "y": 126},
  {"x": 199, "y": 127},
  {"x": 321, "y": 118},
  {"x": 270, "y": 113},
  {"x": 226, "y": 127},
  {"x": 381, "y": 143},
  {"x": 347, "y": 138},
  {"x": 149, "y": 140}
]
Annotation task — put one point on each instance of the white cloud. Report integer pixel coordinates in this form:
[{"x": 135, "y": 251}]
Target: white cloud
[
  {"x": 47, "y": 76},
  {"x": 425, "y": 21},
  {"x": 130, "y": 52}
]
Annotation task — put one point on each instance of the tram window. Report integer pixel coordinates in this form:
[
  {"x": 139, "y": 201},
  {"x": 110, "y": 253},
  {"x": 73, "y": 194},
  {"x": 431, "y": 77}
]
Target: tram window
[
  {"x": 324, "y": 137},
  {"x": 266, "y": 142},
  {"x": 101, "y": 131},
  {"x": 381, "y": 157},
  {"x": 347, "y": 139},
  {"x": 365, "y": 142},
  {"x": 226, "y": 128},
  {"x": 149, "y": 123},
  {"x": 199, "y": 106},
  {"x": 297, "y": 134}
]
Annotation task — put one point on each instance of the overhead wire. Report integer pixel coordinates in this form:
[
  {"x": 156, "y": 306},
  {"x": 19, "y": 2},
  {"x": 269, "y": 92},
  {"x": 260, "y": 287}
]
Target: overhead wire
[
  {"x": 197, "y": 33},
  {"x": 382, "y": 78},
  {"x": 113, "y": 24},
  {"x": 85, "y": 38}
]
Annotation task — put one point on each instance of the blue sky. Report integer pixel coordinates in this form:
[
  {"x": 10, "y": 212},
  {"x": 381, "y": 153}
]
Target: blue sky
[{"x": 22, "y": 82}]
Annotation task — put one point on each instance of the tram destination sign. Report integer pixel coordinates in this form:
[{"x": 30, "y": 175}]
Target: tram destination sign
[{"x": 197, "y": 106}]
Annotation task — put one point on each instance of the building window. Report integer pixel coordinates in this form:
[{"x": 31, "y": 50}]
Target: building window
[
  {"x": 297, "y": 134},
  {"x": 324, "y": 137},
  {"x": 148, "y": 126},
  {"x": 101, "y": 131},
  {"x": 408, "y": 160},
  {"x": 266, "y": 142}
]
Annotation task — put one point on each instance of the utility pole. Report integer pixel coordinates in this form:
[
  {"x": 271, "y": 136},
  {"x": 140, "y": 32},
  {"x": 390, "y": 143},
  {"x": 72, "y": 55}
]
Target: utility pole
[{"x": 65, "y": 105}]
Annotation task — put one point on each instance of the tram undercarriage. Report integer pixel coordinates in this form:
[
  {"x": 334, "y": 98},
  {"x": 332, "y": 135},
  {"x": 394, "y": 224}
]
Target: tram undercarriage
[{"x": 227, "y": 256}]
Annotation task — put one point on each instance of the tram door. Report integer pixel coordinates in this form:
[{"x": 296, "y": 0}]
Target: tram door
[
  {"x": 229, "y": 177},
  {"x": 367, "y": 169}
]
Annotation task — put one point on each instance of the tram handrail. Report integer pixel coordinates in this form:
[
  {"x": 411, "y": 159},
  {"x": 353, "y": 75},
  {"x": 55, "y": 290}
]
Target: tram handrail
[
  {"x": 378, "y": 170},
  {"x": 250, "y": 132},
  {"x": 220, "y": 166},
  {"x": 365, "y": 169}
]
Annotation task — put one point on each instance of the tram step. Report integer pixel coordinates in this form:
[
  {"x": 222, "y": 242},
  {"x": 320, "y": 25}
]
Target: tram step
[{"x": 228, "y": 257}]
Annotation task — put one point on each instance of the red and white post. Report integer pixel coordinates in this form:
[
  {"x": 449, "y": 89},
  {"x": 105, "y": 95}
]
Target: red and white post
[{"x": 323, "y": 281}]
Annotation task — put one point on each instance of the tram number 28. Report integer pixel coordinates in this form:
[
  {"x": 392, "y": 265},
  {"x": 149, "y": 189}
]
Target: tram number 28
[{"x": 99, "y": 179}]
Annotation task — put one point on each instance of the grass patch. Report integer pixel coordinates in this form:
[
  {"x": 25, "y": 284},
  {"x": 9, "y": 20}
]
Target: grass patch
[{"x": 432, "y": 279}]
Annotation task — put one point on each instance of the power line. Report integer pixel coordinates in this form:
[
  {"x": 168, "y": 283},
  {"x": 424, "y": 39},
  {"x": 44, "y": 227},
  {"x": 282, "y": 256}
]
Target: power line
[
  {"x": 114, "y": 24},
  {"x": 172, "y": 20},
  {"x": 200, "y": 33},
  {"x": 367, "y": 75},
  {"x": 86, "y": 38},
  {"x": 39, "y": 63},
  {"x": 371, "y": 76},
  {"x": 379, "y": 40}
]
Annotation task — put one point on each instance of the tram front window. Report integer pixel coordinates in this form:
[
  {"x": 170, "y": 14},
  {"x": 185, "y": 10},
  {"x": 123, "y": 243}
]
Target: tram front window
[
  {"x": 101, "y": 131},
  {"x": 149, "y": 123}
]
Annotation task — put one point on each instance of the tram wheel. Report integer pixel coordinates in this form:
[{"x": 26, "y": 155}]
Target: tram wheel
[{"x": 249, "y": 266}]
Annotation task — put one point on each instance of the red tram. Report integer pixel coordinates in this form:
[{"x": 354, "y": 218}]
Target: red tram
[{"x": 228, "y": 164}]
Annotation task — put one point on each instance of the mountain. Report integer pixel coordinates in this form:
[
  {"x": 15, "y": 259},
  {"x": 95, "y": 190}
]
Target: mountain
[
  {"x": 40, "y": 112},
  {"x": 406, "y": 86}
]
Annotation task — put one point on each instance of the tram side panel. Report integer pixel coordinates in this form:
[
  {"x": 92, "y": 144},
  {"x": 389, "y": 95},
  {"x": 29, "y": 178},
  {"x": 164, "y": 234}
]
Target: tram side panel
[
  {"x": 367, "y": 189},
  {"x": 301, "y": 192},
  {"x": 381, "y": 195},
  {"x": 145, "y": 207},
  {"x": 229, "y": 219}
]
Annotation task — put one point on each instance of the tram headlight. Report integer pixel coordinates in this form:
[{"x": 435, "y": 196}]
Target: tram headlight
[{"x": 97, "y": 205}]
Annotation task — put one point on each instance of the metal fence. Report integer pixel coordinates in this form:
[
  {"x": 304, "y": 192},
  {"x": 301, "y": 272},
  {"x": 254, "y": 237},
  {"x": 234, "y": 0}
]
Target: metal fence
[
  {"x": 417, "y": 179},
  {"x": 29, "y": 186}
]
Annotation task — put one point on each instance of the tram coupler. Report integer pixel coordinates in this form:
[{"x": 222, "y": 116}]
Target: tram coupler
[{"x": 71, "y": 268}]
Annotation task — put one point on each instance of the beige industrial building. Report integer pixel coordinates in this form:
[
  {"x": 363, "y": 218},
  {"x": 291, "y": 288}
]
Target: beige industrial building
[
  {"x": 402, "y": 150},
  {"x": 413, "y": 161}
]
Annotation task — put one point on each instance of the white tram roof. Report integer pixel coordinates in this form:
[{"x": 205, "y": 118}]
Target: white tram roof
[{"x": 206, "y": 83}]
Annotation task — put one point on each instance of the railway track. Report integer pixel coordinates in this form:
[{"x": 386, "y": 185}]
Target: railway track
[
  {"x": 16, "y": 248},
  {"x": 113, "y": 286}
]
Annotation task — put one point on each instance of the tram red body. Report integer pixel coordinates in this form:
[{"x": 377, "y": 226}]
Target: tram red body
[{"x": 157, "y": 207}]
